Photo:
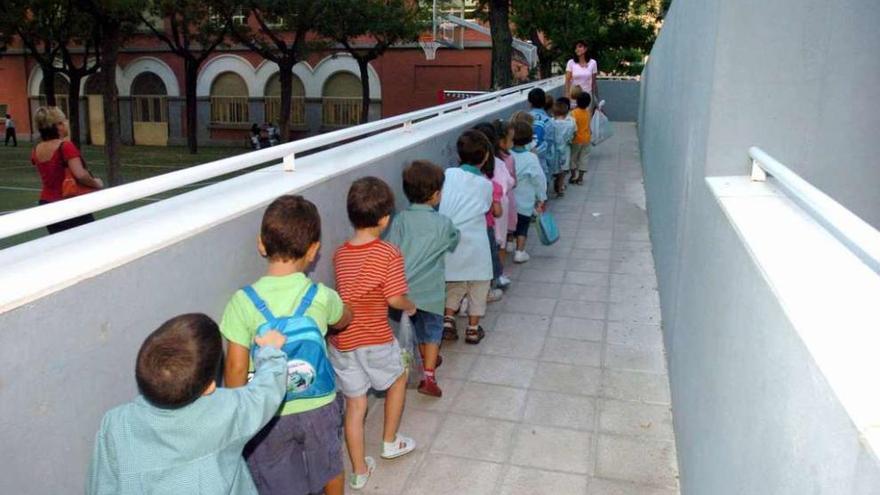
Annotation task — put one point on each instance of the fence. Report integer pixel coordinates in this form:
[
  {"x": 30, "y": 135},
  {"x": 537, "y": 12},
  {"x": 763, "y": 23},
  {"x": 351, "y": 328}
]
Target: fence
[
  {"x": 150, "y": 109},
  {"x": 229, "y": 110},
  {"x": 342, "y": 111},
  {"x": 297, "y": 110}
]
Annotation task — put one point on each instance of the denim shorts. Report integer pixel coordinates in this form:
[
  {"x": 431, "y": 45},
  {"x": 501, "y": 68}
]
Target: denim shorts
[
  {"x": 428, "y": 327},
  {"x": 298, "y": 453}
]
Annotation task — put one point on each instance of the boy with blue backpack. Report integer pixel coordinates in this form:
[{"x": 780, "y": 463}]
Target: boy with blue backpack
[{"x": 299, "y": 451}]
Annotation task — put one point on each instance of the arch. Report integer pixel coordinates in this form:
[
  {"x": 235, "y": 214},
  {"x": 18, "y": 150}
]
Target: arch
[
  {"x": 342, "y": 84},
  {"x": 273, "y": 86},
  {"x": 141, "y": 65},
  {"x": 229, "y": 84},
  {"x": 343, "y": 62},
  {"x": 227, "y": 63},
  {"x": 301, "y": 70},
  {"x": 148, "y": 84},
  {"x": 35, "y": 81}
]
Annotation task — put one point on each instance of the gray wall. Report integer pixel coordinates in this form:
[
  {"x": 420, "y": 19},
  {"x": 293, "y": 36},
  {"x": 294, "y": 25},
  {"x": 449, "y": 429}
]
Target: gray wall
[
  {"x": 68, "y": 357},
  {"x": 621, "y": 98},
  {"x": 753, "y": 414}
]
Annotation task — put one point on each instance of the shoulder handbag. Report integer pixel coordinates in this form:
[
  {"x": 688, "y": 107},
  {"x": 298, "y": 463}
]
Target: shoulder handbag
[{"x": 70, "y": 187}]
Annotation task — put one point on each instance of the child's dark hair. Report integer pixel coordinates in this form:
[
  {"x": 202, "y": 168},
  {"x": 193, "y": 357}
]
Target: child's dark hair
[
  {"x": 489, "y": 131},
  {"x": 421, "y": 179},
  {"x": 564, "y": 100},
  {"x": 501, "y": 130},
  {"x": 179, "y": 360},
  {"x": 561, "y": 109},
  {"x": 473, "y": 147},
  {"x": 548, "y": 103},
  {"x": 369, "y": 200},
  {"x": 522, "y": 133},
  {"x": 537, "y": 98},
  {"x": 290, "y": 225},
  {"x": 583, "y": 100}
]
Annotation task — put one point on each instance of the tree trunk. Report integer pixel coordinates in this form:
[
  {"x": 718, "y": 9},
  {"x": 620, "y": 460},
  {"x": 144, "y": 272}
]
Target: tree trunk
[
  {"x": 363, "y": 65},
  {"x": 49, "y": 75},
  {"x": 113, "y": 140},
  {"x": 545, "y": 62},
  {"x": 191, "y": 74},
  {"x": 73, "y": 103},
  {"x": 502, "y": 43},
  {"x": 285, "y": 76}
]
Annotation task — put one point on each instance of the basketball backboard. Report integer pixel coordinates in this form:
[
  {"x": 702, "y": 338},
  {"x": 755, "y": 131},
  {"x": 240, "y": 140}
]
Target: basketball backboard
[{"x": 448, "y": 33}]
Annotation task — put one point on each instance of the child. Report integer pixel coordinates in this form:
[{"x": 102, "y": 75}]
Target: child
[
  {"x": 531, "y": 190},
  {"x": 580, "y": 147},
  {"x": 370, "y": 277},
  {"x": 502, "y": 184},
  {"x": 467, "y": 196},
  {"x": 575, "y": 92},
  {"x": 504, "y": 131},
  {"x": 182, "y": 431},
  {"x": 564, "y": 132},
  {"x": 542, "y": 130},
  {"x": 424, "y": 237},
  {"x": 300, "y": 450}
]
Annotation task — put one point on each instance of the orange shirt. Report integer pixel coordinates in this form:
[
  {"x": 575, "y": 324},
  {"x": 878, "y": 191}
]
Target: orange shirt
[
  {"x": 582, "y": 123},
  {"x": 366, "y": 276}
]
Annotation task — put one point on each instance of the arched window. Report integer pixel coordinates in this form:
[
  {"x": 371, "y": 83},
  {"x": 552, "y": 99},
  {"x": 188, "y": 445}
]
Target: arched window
[
  {"x": 61, "y": 97},
  {"x": 342, "y": 100},
  {"x": 273, "y": 101},
  {"x": 149, "y": 98},
  {"x": 229, "y": 99}
]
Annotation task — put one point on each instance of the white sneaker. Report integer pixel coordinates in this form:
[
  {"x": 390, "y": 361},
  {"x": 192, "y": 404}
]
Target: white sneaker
[
  {"x": 358, "y": 481},
  {"x": 495, "y": 295},
  {"x": 400, "y": 446},
  {"x": 520, "y": 257},
  {"x": 503, "y": 282}
]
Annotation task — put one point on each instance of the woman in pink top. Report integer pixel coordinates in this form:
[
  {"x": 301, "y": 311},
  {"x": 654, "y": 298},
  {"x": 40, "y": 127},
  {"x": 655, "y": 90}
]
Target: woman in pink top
[{"x": 581, "y": 71}]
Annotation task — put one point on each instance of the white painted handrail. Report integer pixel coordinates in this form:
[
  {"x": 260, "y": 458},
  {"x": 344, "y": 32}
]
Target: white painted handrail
[
  {"x": 40, "y": 216},
  {"x": 856, "y": 234}
]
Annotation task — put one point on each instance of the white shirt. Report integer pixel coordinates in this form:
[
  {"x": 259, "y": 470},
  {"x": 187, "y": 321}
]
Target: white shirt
[
  {"x": 582, "y": 76},
  {"x": 465, "y": 199},
  {"x": 9, "y": 124}
]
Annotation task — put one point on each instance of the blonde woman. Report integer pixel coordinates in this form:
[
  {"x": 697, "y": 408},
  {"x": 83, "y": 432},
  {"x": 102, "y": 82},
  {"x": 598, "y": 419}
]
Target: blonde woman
[{"x": 51, "y": 155}]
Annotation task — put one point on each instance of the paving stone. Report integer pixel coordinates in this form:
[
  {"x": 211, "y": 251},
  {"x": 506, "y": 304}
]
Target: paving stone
[
  {"x": 635, "y": 359},
  {"x": 586, "y": 278},
  {"x": 589, "y": 310},
  {"x": 516, "y": 373},
  {"x": 451, "y": 387},
  {"x": 474, "y": 438},
  {"x": 635, "y": 419},
  {"x": 639, "y": 460},
  {"x": 557, "y": 449},
  {"x": 577, "y": 328},
  {"x": 455, "y": 365},
  {"x": 490, "y": 401},
  {"x": 539, "y": 275},
  {"x": 635, "y": 386},
  {"x": 586, "y": 265},
  {"x": 529, "y": 305},
  {"x": 535, "y": 289},
  {"x": 577, "y": 292},
  {"x": 560, "y": 409},
  {"x": 567, "y": 351},
  {"x": 599, "y": 486},
  {"x": 523, "y": 323},
  {"x": 634, "y": 335},
  {"x": 514, "y": 345},
  {"x": 444, "y": 475},
  {"x": 566, "y": 378},
  {"x": 528, "y": 481}
]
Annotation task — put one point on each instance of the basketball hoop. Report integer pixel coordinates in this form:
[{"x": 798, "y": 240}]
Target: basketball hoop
[{"x": 430, "y": 47}]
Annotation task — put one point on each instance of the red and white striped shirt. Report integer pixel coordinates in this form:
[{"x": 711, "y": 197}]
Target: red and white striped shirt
[{"x": 366, "y": 276}]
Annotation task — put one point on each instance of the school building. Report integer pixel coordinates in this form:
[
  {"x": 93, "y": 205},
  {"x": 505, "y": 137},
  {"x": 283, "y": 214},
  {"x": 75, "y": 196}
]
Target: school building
[{"x": 236, "y": 88}]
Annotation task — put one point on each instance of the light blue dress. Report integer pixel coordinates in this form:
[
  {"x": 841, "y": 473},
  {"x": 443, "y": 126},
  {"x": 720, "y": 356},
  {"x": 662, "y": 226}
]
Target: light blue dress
[
  {"x": 531, "y": 184},
  {"x": 466, "y": 198},
  {"x": 564, "y": 133},
  {"x": 142, "y": 449}
]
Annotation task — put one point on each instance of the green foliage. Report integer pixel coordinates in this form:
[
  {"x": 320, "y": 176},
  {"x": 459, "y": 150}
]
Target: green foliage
[
  {"x": 387, "y": 22},
  {"x": 193, "y": 26},
  {"x": 281, "y": 28},
  {"x": 620, "y": 33}
]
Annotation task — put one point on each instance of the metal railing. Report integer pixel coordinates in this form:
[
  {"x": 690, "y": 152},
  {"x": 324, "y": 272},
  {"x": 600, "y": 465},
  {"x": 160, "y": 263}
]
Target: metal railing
[
  {"x": 150, "y": 109},
  {"x": 297, "y": 109},
  {"x": 39, "y": 216},
  {"x": 229, "y": 110},
  {"x": 342, "y": 111},
  {"x": 446, "y": 95},
  {"x": 856, "y": 234}
]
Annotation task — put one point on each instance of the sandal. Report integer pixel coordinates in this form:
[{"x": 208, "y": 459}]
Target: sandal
[
  {"x": 449, "y": 331},
  {"x": 474, "y": 335}
]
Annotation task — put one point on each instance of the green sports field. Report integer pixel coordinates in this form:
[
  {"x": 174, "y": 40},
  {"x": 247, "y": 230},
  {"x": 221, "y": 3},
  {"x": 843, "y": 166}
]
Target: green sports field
[{"x": 20, "y": 183}]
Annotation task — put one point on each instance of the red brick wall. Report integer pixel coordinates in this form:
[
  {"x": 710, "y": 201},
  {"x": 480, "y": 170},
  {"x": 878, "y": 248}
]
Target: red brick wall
[{"x": 13, "y": 93}]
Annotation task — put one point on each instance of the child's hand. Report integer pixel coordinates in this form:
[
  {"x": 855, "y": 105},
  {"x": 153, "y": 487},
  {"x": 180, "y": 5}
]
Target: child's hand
[
  {"x": 272, "y": 338},
  {"x": 411, "y": 311}
]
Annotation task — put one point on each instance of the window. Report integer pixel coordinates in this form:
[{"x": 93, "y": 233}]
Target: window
[
  {"x": 149, "y": 102},
  {"x": 342, "y": 100},
  {"x": 273, "y": 101},
  {"x": 239, "y": 17},
  {"x": 274, "y": 21},
  {"x": 4, "y": 108},
  {"x": 61, "y": 97},
  {"x": 229, "y": 99}
]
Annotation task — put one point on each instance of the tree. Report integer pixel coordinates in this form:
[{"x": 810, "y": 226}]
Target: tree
[
  {"x": 85, "y": 35},
  {"x": 620, "y": 33},
  {"x": 279, "y": 36},
  {"x": 497, "y": 14},
  {"x": 40, "y": 26},
  {"x": 367, "y": 28},
  {"x": 116, "y": 21},
  {"x": 194, "y": 32}
]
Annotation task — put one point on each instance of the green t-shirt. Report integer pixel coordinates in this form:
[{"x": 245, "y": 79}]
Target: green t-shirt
[{"x": 282, "y": 295}]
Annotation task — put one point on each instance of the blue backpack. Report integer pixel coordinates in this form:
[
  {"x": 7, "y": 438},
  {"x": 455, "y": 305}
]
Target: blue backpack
[{"x": 309, "y": 373}]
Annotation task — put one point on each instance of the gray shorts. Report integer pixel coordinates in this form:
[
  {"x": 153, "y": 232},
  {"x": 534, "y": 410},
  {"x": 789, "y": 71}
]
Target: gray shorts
[
  {"x": 299, "y": 453},
  {"x": 374, "y": 366}
]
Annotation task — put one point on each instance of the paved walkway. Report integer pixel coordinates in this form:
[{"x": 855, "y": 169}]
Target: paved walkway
[{"x": 568, "y": 393}]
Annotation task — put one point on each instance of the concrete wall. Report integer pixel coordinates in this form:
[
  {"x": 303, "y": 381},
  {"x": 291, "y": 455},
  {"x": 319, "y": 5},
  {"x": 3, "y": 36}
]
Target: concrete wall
[
  {"x": 753, "y": 413},
  {"x": 60, "y": 376},
  {"x": 621, "y": 98}
]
